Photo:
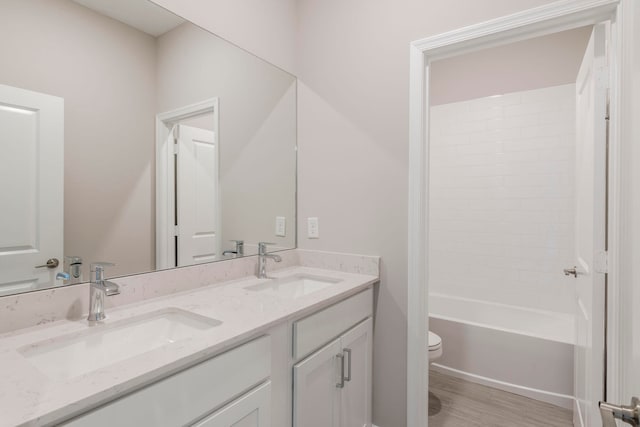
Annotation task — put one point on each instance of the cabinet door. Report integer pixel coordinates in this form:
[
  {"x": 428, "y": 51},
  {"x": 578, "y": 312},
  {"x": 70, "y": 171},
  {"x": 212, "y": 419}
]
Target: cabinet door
[
  {"x": 251, "y": 410},
  {"x": 356, "y": 395},
  {"x": 316, "y": 397}
]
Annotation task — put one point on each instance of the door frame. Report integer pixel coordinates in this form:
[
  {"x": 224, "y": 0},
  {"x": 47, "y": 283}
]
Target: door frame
[
  {"x": 555, "y": 17},
  {"x": 165, "y": 175}
]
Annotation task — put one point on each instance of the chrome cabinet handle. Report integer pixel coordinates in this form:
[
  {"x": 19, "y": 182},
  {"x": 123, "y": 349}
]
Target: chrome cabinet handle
[
  {"x": 571, "y": 272},
  {"x": 51, "y": 263},
  {"x": 348, "y": 351},
  {"x": 341, "y": 383}
]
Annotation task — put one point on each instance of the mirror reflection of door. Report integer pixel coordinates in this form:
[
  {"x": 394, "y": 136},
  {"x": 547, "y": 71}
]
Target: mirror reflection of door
[
  {"x": 188, "y": 202},
  {"x": 31, "y": 232},
  {"x": 197, "y": 201}
]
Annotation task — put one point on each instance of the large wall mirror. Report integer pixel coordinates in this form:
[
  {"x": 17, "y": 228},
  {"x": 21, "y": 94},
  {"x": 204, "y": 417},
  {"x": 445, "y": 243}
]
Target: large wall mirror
[{"x": 134, "y": 137}]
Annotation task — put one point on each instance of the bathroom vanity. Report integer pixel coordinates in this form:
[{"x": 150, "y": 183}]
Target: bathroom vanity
[{"x": 293, "y": 349}]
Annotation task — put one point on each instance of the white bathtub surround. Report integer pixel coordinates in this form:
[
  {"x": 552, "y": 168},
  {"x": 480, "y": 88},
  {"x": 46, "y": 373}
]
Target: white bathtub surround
[
  {"x": 501, "y": 198},
  {"x": 520, "y": 350},
  {"x": 71, "y": 302},
  {"x": 29, "y": 397}
]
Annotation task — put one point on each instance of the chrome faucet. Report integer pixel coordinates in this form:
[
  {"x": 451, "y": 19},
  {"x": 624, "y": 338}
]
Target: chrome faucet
[
  {"x": 99, "y": 288},
  {"x": 262, "y": 259},
  {"x": 239, "y": 249}
]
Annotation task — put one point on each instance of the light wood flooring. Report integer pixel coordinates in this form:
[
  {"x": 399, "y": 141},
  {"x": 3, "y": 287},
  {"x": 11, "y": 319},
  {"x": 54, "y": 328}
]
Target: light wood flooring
[{"x": 458, "y": 403}]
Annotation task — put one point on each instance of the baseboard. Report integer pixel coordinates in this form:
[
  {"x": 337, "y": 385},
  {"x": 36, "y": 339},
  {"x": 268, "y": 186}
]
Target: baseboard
[{"x": 561, "y": 400}]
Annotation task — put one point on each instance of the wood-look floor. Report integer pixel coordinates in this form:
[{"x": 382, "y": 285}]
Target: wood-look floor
[{"x": 458, "y": 403}]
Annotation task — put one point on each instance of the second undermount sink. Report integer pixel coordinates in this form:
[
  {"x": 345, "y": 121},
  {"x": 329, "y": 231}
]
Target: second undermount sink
[
  {"x": 294, "y": 286},
  {"x": 72, "y": 355}
]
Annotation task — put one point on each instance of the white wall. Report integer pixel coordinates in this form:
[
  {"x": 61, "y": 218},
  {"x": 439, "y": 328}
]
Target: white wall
[
  {"x": 257, "y": 135},
  {"x": 502, "y": 198}
]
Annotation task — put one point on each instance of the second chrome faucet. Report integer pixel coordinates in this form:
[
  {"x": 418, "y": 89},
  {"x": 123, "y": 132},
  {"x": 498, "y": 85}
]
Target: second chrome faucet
[
  {"x": 99, "y": 289},
  {"x": 262, "y": 259}
]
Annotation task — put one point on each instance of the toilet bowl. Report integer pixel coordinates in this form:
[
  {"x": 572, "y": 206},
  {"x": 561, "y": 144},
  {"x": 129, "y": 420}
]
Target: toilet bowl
[{"x": 435, "y": 346}]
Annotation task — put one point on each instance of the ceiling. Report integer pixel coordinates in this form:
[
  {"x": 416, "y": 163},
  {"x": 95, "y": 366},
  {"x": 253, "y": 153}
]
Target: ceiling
[{"x": 140, "y": 14}]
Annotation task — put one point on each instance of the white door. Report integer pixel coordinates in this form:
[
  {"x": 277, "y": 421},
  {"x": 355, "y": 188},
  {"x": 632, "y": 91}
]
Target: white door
[
  {"x": 31, "y": 190},
  {"x": 356, "y": 395},
  {"x": 197, "y": 202},
  {"x": 316, "y": 397},
  {"x": 251, "y": 410},
  {"x": 591, "y": 98},
  {"x": 624, "y": 377}
]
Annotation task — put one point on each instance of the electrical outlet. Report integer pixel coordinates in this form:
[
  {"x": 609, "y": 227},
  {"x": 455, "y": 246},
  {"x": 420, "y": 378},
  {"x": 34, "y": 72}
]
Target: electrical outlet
[
  {"x": 281, "y": 226},
  {"x": 313, "y": 231}
]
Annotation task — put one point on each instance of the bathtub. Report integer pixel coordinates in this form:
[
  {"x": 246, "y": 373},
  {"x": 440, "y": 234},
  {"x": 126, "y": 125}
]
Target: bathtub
[{"x": 523, "y": 351}]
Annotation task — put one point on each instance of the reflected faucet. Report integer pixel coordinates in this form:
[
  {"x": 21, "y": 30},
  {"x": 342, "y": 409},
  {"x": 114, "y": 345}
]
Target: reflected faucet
[
  {"x": 239, "y": 249},
  {"x": 262, "y": 259},
  {"x": 99, "y": 288}
]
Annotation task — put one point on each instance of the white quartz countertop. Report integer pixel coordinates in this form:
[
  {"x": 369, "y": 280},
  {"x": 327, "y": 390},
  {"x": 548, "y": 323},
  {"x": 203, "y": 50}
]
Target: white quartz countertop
[{"x": 28, "y": 397}]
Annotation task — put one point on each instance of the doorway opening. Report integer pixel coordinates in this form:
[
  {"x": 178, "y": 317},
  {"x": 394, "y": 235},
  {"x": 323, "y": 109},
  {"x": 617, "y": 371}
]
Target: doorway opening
[
  {"x": 494, "y": 221},
  {"x": 513, "y": 182},
  {"x": 187, "y": 182}
]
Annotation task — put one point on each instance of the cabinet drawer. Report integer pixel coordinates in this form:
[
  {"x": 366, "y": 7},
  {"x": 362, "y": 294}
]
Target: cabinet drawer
[
  {"x": 188, "y": 395},
  {"x": 316, "y": 330},
  {"x": 253, "y": 409}
]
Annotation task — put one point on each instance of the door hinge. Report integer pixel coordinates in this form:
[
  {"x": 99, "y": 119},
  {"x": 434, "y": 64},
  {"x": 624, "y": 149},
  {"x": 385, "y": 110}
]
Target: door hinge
[
  {"x": 176, "y": 147},
  {"x": 176, "y": 230},
  {"x": 602, "y": 262}
]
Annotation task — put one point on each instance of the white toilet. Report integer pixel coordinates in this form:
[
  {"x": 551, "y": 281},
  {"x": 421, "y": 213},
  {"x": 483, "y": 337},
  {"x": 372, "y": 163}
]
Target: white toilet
[{"x": 435, "y": 346}]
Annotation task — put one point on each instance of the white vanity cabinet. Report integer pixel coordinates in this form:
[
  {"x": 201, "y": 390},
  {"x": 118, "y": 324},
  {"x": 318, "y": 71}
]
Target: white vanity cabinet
[
  {"x": 332, "y": 386},
  {"x": 310, "y": 372},
  {"x": 189, "y": 396}
]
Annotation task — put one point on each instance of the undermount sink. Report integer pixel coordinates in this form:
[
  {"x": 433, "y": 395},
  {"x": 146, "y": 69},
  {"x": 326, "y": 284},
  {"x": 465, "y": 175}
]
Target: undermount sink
[
  {"x": 72, "y": 355},
  {"x": 294, "y": 286}
]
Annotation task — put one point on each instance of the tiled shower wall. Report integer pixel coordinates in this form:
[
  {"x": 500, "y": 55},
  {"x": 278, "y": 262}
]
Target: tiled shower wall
[{"x": 502, "y": 198}]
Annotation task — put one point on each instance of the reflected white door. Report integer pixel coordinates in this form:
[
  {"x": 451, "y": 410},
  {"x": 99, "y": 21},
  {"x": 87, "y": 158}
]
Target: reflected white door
[
  {"x": 197, "y": 201},
  {"x": 31, "y": 193},
  {"x": 591, "y": 98}
]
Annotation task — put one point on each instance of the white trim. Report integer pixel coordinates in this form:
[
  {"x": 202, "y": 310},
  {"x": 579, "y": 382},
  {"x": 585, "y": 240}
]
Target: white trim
[
  {"x": 555, "y": 17},
  {"x": 578, "y": 419},
  {"x": 623, "y": 197},
  {"x": 165, "y": 251},
  {"x": 558, "y": 399}
]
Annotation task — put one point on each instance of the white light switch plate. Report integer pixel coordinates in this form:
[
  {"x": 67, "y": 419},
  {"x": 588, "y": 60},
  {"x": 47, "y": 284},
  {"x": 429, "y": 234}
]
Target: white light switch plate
[
  {"x": 313, "y": 231},
  {"x": 281, "y": 226}
]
